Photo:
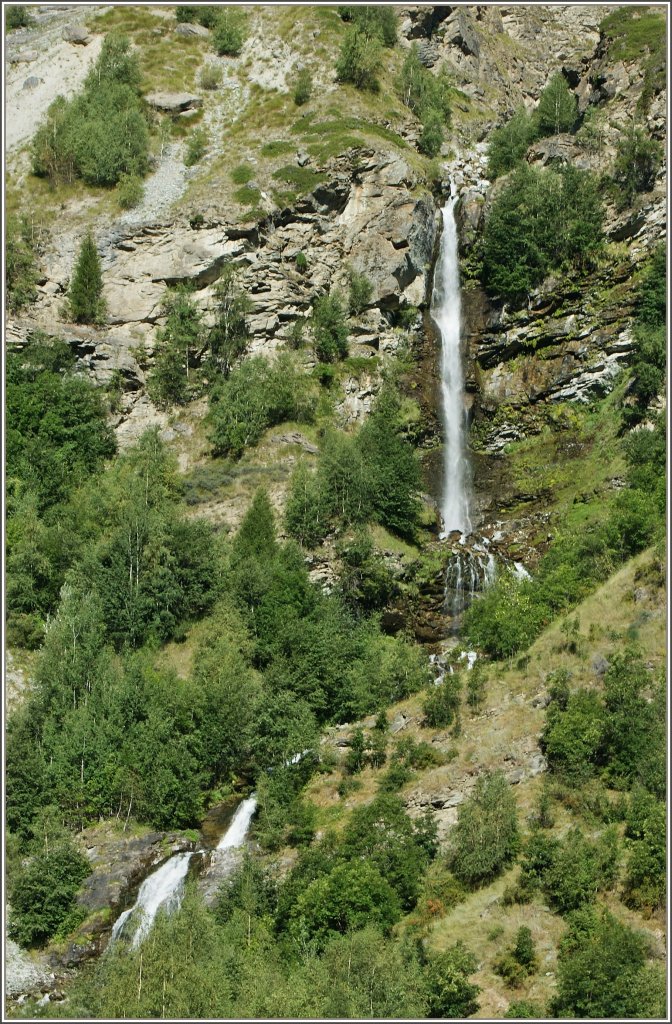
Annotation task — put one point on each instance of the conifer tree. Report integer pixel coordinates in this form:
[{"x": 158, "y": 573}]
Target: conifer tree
[{"x": 85, "y": 297}]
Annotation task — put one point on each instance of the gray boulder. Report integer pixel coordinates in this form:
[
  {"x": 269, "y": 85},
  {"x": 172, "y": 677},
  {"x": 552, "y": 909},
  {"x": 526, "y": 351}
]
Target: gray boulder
[
  {"x": 189, "y": 31},
  {"x": 173, "y": 102},
  {"x": 77, "y": 34}
]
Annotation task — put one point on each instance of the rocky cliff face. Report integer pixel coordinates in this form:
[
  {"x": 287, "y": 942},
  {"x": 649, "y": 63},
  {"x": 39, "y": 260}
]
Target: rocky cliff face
[{"x": 372, "y": 210}]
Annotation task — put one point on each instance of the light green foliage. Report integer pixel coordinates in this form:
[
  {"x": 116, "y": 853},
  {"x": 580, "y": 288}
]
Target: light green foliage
[
  {"x": 43, "y": 893},
  {"x": 524, "y": 1009},
  {"x": 20, "y": 259},
  {"x": 255, "y": 396},
  {"x": 428, "y": 96},
  {"x": 330, "y": 328},
  {"x": 303, "y": 87},
  {"x": 507, "y": 145},
  {"x": 442, "y": 705},
  {"x": 101, "y": 134},
  {"x": 602, "y": 971},
  {"x": 351, "y": 896},
  {"x": 506, "y": 618},
  {"x": 178, "y": 343},
  {"x": 638, "y": 158},
  {"x": 373, "y": 20},
  {"x": 360, "y": 60},
  {"x": 485, "y": 838},
  {"x": 557, "y": 109},
  {"x": 211, "y": 77},
  {"x": 197, "y": 146},
  {"x": 227, "y": 337},
  {"x": 360, "y": 291},
  {"x": 645, "y": 881},
  {"x": 650, "y": 356},
  {"x": 130, "y": 191},
  {"x": 540, "y": 221},
  {"x": 451, "y": 994},
  {"x": 230, "y": 31},
  {"x": 85, "y": 295},
  {"x": 572, "y": 735}
]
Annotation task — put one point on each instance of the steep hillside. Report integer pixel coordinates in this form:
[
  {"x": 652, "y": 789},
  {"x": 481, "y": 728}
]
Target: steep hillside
[{"x": 227, "y": 568}]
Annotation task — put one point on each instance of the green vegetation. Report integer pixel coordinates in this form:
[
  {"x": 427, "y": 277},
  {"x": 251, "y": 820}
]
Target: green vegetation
[
  {"x": 519, "y": 961},
  {"x": 303, "y": 87},
  {"x": 557, "y": 108},
  {"x": 197, "y": 146},
  {"x": 20, "y": 259},
  {"x": 330, "y": 328},
  {"x": 130, "y": 191},
  {"x": 379, "y": 21},
  {"x": 179, "y": 342},
  {"x": 360, "y": 61},
  {"x": 485, "y": 838},
  {"x": 428, "y": 96},
  {"x": 85, "y": 295},
  {"x": 43, "y": 893},
  {"x": 17, "y": 16},
  {"x": 360, "y": 291},
  {"x": 101, "y": 134},
  {"x": 229, "y": 31},
  {"x": 542, "y": 220},
  {"x": 227, "y": 338},
  {"x": 638, "y": 159},
  {"x": 211, "y": 77},
  {"x": 255, "y": 396},
  {"x": 638, "y": 35}
]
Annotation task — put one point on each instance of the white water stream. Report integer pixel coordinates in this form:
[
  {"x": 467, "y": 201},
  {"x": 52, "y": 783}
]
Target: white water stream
[
  {"x": 446, "y": 313},
  {"x": 164, "y": 888}
]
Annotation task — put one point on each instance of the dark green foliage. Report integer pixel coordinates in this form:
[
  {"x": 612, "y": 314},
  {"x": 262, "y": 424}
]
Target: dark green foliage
[
  {"x": 557, "y": 108},
  {"x": 519, "y": 961},
  {"x": 645, "y": 880},
  {"x": 360, "y": 59},
  {"x": 85, "y": 295},
  {"x": 506, "y": 618},
  {"x": 227, "y": 337},
  {"x": 365, "y": 580},
  {"x": 431, "y": 136},
  {"x": 248, "y": 889},
  {"x": 355, "y": 759},
  {"x": 43, "y": 893},
  {"x": 571, "y": 871},
  {"x": 602, "y": 971},
  {"x": 360, "y": 291},
  {"x": 206, "y": 15},
  {"x": 330, "y": 328},
  {"x": 17, "y": 16},
  {"x": 442, "y": 705},
  {"x": 229, "y": 31},
  {"x": 485, "y": 838},
  {"x": 524, "y": 1009},
  {"x": 451, "y": 994},
  {"x": 179, "y": 341},
  {"x": 130, "y": 191},
  {"x": 542, "y": 220},
  {"x": 351, "y": 896},
  {"x": 20, "y": 259},
  {"x": 303, "y": 87},
  {"x": 637, "y": 162},
  {"x": 102, "y": 133},
  {"x": 650, "y": 356},
  {"x": 255, "y": 396},
  {"x": 572, "y": 736},
  {"x": 507, "y": 145}
]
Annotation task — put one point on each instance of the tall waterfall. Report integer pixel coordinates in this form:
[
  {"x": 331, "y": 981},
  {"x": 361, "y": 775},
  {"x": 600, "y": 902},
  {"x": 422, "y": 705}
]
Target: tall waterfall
[{"x": 446, "y": 313}]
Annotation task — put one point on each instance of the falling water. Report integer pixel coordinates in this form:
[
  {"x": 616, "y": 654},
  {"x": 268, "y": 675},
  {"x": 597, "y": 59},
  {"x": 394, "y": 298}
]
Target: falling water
[
  {"x": 446, "y": 313},
  {"x": 163, "y": 889}
]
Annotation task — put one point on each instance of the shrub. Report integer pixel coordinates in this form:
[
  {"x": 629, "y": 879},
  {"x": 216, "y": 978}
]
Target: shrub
[
  {"x": 43, "y": 893},
  {"x": 645, "y": 880},
  {"x": 18, "y": 16},
  {"x": 20, "y": 270},
  {"x": 257, "y": 395},
  {"x": 485, "y": 838},
  {"x": 211, "y": 77},
  {"x": 378, "y": 21},
  {"x": 330, "y": 328},
  {"x": 205, "y": 16},
  {"x": 443, "y": 702},
  {"x": 301, "y": 262},
  {"x": 303, "y": 87},
  {"x": 519, "y": 961},
  {"x": 227, "y": 337},
  {"x": 451, "y": 994},
  {"x": 638, "y": 158},
  {"x": 524, "y": 1009},
  {"x": 361, "y": 290},
  {"x": 197, "y": 145},
  {"x": 427, "y": 95},
  {"x": 360, "y": 60},
  {"x": 507, "y": 145},
  {"x": 178, "y": 342},
  {"x": 230, "y": 31},
  {"x": 85, "y": 295},
  {"x": 130, "y": 191},
  {"x": 572, "y": 736}
]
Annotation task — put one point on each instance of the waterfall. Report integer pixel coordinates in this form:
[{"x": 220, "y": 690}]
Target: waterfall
[
  {"x": 446, "y": 313},
  {"x": 240, "y": 822},
  {"x": 163, "y": 889}
]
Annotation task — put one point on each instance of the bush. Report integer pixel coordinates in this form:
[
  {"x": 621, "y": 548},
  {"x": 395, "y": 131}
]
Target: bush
[
  {"x": 257, "y": 395},
  {"x": 303, "y": 87},
  {"x": 18, "y": 16},
  {"x": 211, "y": 77},
  {"x": 378, "y": 21},
  {"x": 428, "y": 96},
  {"x": 431, "y": 136},
  {"x": 43, "y": 893},
  {"x": 227, "y": 337},
  {"x": 451, "y": 994},
  {"x": 442, "y": 705},
  {"x": 230, "y": 31},
  {"x": 507, "y": 145},
  {"x": 361, "y": 290},
  {"x": 572, "y": 736},
  {"x": 85, "y": 295},
  {"x": 20, "y": 270},
  {"x": 542, "y": 220},
  {"x": 197, "y": 145},
  {"x": 130, "y": 191},
  {"x": 557, "y": 109},
  {"x": 485, "y": 838},
  {"x": 645, "y": 880},
  {"x": 360, "y": 60},
  {"x": 178, "y": 341},
  {"x": 301, "y": 262},
  {"x": 330, "y": 328},
  {"x": 638, "y": 158}
]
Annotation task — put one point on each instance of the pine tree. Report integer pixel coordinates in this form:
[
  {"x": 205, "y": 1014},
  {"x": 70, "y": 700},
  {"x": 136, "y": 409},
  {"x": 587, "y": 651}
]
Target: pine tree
[{"x": 86, "y": 302}]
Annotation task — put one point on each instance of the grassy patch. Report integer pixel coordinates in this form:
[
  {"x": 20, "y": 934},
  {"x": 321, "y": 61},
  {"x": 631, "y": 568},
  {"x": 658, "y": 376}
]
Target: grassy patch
[
  {"x": 241, "y": 174},
  {"x": 277, "y": 148},
  {"x": 247, "y": 196},
  {"x": 304, "y": 179}
]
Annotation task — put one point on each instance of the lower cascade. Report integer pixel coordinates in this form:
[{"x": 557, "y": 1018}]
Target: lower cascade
[{"x": 164, "y": 888}]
